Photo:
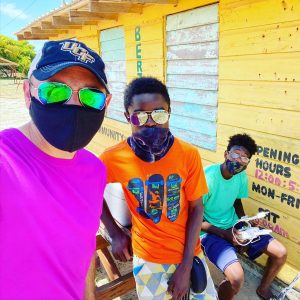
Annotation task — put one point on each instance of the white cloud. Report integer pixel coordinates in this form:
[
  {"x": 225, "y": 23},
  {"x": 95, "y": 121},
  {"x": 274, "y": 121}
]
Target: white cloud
[{"x": 12, "y": 11}]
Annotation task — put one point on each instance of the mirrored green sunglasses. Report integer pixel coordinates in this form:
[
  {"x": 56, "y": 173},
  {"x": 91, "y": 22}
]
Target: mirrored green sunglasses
[{"x": 59, "y": 93}]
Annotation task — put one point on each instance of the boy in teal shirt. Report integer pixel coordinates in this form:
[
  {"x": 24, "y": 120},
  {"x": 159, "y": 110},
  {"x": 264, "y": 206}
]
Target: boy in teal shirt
[{"x": 228, "y": 183}]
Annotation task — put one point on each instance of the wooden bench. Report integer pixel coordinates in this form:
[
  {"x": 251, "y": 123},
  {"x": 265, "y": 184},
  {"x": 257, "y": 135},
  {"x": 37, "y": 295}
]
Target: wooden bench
[{"x": 118, "y": 285}]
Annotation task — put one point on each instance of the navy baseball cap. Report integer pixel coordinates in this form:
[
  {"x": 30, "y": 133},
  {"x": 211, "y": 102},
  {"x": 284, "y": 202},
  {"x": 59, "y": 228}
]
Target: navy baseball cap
[{"x": 58, "y": 55}]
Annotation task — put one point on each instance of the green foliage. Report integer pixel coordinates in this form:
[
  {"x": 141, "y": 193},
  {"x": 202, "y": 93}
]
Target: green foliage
[{"x": 20, "y": 52}]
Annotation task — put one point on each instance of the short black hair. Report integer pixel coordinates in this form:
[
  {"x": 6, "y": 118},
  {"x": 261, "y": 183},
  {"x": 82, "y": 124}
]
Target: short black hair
[
  {"x": 143, "y": 85},
  {"x": 243, "y": 140}
]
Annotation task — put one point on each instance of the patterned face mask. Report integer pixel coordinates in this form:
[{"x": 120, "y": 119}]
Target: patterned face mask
[
  {"x": 234, "y": 167},
  {"x": 151, "y": 144}
]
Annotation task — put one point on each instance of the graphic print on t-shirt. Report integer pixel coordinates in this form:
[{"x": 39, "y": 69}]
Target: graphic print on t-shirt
[
  {"x": 151, "y": 201},
  {"x": 155, "y": 197},
  {"x": 136, "y": 187},
  {"x": 173, "y": 196}
]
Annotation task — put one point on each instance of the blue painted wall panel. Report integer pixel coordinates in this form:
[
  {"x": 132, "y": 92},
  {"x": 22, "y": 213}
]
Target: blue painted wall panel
[
  {"x": 116, "y": 115},
  {"x": 191, "y": 124},
  {"x": 192, "y": 74},
  {"x": 193, "y": 96},
  {"x": 196, "y": 138},
  {"x": 112, "y": 34},
  {"x": 112, "y": 48},
  {"x": 113, "y": 45},
  {"x": 113, "y": 55},
  {"x": 197, "y": 111}
]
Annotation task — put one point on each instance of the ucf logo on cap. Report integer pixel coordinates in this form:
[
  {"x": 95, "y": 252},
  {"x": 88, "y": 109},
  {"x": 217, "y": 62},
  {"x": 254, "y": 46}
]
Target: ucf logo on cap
[{"x": 76, "y": 50}]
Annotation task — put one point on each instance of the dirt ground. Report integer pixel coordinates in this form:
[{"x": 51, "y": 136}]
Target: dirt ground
[
  {"x": 11, "y": 89},
  {"x": 12, "y": 105}
]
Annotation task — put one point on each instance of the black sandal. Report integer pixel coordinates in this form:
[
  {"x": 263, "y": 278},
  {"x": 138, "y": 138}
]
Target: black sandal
[{"x": 264, "y": 298}]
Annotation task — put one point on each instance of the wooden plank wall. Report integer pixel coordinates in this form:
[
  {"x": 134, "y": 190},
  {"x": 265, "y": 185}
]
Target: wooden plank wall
[
  {"x": 259, "y": 83},
  {"x": 259, "y": 73},
  {"x": 144, "y": 48},
  {"x": 192, "y": 74},
  {"x": 145, "y": 36},
  {"x": 88, "y": 35}
]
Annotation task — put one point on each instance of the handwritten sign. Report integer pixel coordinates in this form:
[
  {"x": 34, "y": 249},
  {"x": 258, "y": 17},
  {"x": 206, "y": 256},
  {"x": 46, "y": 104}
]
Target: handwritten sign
[
  {"x": 275, "y": 184},
  {"x": 274, "y": 178}
]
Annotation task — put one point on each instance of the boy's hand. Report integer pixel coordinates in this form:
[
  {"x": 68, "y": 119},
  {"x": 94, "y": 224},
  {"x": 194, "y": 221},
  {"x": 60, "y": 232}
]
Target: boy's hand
[
  {"x": 230, "y": 238},
  {"x": 121, "y": 246},
  {"x": 179, "y": 283}
]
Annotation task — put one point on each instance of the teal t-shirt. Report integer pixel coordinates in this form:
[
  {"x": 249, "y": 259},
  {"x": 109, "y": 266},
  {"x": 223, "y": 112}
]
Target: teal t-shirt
[{"x": 218, "y": 203}]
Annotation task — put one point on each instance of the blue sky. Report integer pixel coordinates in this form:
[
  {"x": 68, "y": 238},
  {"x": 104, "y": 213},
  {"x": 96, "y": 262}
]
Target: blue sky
[{"x": 16, "y": 14}]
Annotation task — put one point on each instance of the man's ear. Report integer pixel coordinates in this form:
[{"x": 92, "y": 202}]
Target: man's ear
[
  {"x": 225, "y": 154},
  {"x": 108, "y": 99},
  {"x": 26, "y": 90},
  {"x": 126, "y": 114}
]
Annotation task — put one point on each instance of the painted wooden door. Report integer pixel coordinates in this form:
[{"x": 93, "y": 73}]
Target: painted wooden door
[
  {"x": 112, "y": 49},
  {"x": 192, "y": 74}
]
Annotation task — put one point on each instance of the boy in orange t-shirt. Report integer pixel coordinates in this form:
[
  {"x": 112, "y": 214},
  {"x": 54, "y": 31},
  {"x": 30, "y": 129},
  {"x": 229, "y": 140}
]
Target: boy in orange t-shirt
[{"x": 163, "y": 183}]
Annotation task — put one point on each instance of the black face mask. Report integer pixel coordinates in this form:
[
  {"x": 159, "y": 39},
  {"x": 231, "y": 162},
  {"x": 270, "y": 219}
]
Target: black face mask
[{"x": 66, "y": 127}]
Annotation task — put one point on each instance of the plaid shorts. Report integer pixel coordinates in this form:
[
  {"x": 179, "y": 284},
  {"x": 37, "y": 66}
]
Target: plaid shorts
[{"x": 152, "y": 280}]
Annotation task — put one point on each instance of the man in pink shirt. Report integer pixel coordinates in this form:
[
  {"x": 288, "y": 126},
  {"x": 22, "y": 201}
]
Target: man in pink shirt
[{"x": 51, "y": 188}]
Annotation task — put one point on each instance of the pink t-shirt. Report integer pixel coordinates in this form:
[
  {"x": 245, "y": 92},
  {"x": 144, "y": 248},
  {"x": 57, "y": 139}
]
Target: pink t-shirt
[{"x": 49, "y": 214}]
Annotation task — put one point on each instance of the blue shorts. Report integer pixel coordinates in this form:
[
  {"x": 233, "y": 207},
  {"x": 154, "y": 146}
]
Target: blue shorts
[{"x": 222, "y": 253}]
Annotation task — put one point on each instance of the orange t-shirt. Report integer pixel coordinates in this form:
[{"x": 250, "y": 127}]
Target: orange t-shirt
[{"x": 157, "y": 195}]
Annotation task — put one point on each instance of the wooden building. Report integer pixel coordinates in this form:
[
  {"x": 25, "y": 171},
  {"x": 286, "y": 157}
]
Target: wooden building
[
  {"x": 7, "y": 68},
  {"x": 231, "y": 66}
]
